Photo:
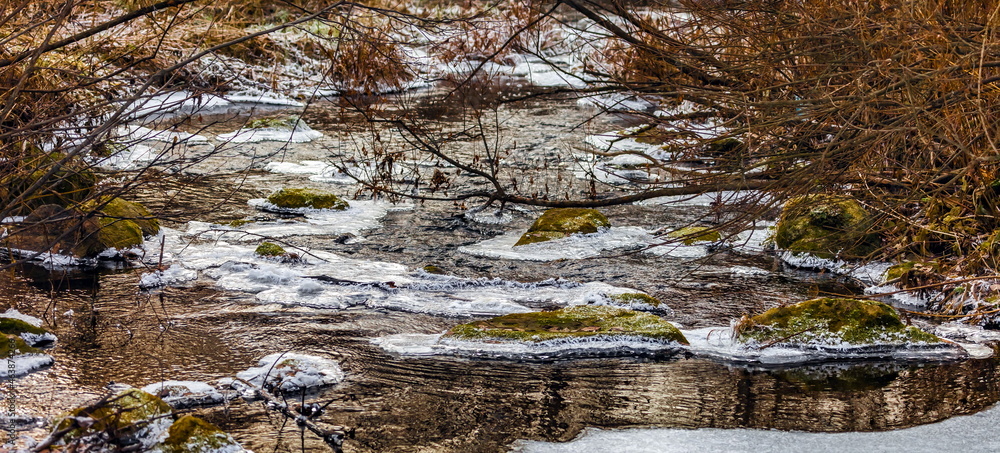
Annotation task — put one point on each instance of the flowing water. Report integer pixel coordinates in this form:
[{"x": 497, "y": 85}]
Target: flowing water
[{"x": 110, "y": 330}]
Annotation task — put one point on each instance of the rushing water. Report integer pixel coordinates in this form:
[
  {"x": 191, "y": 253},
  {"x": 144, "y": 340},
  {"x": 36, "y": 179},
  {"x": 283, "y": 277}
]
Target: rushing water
[{"x": 109, "y": 330}]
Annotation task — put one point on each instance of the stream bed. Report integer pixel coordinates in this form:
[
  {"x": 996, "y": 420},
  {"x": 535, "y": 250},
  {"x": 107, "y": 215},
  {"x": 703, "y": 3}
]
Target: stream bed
[{"x": 214, "y": 324}]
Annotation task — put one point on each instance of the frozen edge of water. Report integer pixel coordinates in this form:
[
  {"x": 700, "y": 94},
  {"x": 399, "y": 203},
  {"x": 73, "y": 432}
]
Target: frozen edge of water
[{"x": 975, "y": 432}]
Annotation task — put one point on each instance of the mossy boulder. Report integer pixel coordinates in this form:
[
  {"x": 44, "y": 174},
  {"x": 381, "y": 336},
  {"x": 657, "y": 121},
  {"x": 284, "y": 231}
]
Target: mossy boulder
[
  {"x": 116, "y": 209},
  {"x": 307, "y": 198},
  {"x": 190, "y": 434},
  {"x": 125, "y": 415},
  {"x": 573, "y": 322},
  {"x": 72, "y": 183},
  {"x": 32, "y": 335},
  {"x": 826, "y": 226},
  {"x": 695, "y": 235},
  {"x": 831, "y": 321},
  {"x": 270, "y": 249},
  {"x": 635, "y": 298},
  {"x": 558, "y": 223},
  {"x": 433, "y": 269},
  {"x": 20, "y": 346}
]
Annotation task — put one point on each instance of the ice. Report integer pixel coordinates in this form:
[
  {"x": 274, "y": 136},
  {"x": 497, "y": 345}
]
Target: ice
[
  {"x": 577, "y": 246},
  {"x": 362, "y": 215},
  {"x": 870, "y": 273},
  {"x": 291, "y": 372},
  {"x": 967, "y": 433},
  {"x": 269, "y": 98},
  {"x": 32, "y": 339},
  {"x": 181, "y": 102},
  {"x": 27, "y": 363},
  {"x": 305, "y": 167},
  {"x": 134, "y": 156},
  {"x": 594, "y": 346},
  {"x": 718, "y": 343},
  {"x": 301, "y": 133},
  {"x": 618, "y": 102},
  {"x": 182, "y": 394},
  {"x": 134, "y": 132},
  {"x": 679, "y": 250},
  {"x": 489, "y": 216},
  {"x": 709, "y": 198},
  {"x": 172, "y": 275}
]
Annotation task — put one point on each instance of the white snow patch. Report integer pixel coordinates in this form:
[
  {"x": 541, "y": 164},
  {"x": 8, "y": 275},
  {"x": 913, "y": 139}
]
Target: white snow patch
[
  {"x": 134, "y": 132},
  {"x": 180, "y": 102},
  {"x": 172, "y": 275},
  {"x": 133, "y": 157},
  {"x": 14, "y": 314},
  {"x": 27, "y": 363},
  {"x": 869, "y": 274}
]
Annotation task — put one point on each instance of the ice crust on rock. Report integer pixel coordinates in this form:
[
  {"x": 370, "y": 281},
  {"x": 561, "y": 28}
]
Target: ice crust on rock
[
  {"x": 177, "y": 102},
  {"x": 714, "y": 343},
  {"x": 12, "y": 313},
  {"x": 27, "y": 363},
  {"x": 290, "y": 372},
  {"x": 172, "y": 275},
  {"x": 182, "y": 394},
  {"x": 595, "y": 346}
]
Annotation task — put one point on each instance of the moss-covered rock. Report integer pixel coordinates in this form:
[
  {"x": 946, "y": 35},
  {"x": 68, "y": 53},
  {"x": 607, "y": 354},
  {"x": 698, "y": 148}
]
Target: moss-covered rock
[
  {"x": 558, "y": 223},
  {"x": 190, "y": 434},
  {"x": 693, "y": 235},
  {"x": 32, "y": 335},
  {"x": 635, "y": 298},
  {"x": 826, "y": 226},
  {"x": 73, "y": 183},
  {"x": 52, "y": 228},
  {"x": 20, "y": 347},
  {"x": 572, "y": 322},
  {"x": 119, "y": 209},
  {"x": 307, "y": 198},
  {"x": 831, "y": 321},
  {"x": 270, "y": 249},
  {"x": 125, "y": 415},
  {"x": 433, "y": 269}
]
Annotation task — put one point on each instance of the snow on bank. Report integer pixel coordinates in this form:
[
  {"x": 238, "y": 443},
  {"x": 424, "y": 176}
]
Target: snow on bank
[{"x": 962, "y": 433}]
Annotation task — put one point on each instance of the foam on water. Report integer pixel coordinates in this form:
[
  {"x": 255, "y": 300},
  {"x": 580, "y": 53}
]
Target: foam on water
[
  {"x": 577, "y": 246},
  {"x": 962, "y": 433}
]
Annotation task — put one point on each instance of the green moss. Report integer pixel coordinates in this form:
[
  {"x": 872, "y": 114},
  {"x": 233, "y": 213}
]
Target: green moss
[
  {"x": 123, "y": 415},
  {"x": 579, "y": 321},
  {"x": 897, "y": 271},
  {"x": 116, "y": 208},
  {"x": 288, "y": 122},
  {"x": 432, "y": 269},
  {"x": 120, "y": 224},
  {"x": 832, "y": 321},
  {"x": 826, "y": 226},
  {"x": 13, "y": 326},
  {"x": 558, "y": 223},
  {"x": 307, "y": 198},
  {"x": 723, "y": 146},
  {"x": 20, "y": 347},
  {"x": 693, "y": 235},
  {"x": 270, "y": 249},
  {"x": 635, "y": 298},
  {"x": 73, "y": 183},
  {"x": 190, "y": 434},
  {"x": 239, "y": 222}
]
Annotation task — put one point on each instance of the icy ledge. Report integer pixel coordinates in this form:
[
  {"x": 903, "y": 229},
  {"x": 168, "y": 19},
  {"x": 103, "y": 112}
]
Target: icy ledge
[
  {"x": 714, "y": 343},
  {"x": 964, "y": 433}
]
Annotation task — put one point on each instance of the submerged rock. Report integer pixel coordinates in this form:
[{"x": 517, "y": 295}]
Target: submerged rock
[
  {"x": 307, "y": 198},
  {"x": 695, "y": 235},
  {"x": 181, "y": 394},
  {"x": 190, "y": 434},
  {"x": 558, "y": 223},
  {"x": 832, "y": 323},
  {"x": 572, "y": 322},
  {"x": 826, "y": 226}
]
